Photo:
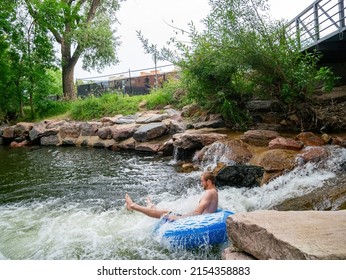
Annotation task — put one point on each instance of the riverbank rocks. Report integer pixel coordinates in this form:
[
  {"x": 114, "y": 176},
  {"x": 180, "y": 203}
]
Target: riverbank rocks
[
  {"x": 289, "y": 235},
  {"x": 165, "y": 132},
  {"x": 8, "y": 132},
  {"x": 309, "y": 139},
  {"x": 285, "y": 143},
  {"x": 150, "y": 131},
  {"x": 259, "y": 137},
  {"x": 312, "y": 154}
]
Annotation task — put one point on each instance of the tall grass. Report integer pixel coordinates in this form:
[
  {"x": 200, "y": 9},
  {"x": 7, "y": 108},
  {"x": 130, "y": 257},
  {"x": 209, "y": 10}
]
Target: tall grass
[
  {"x": 114, "y": 103},
  {"x": 106, "y": 105},
  {"x": 110, "y": 104}
]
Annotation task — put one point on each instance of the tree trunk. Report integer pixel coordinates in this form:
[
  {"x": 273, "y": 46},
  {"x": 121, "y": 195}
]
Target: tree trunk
[
  {"x": 67, "y": 81},
  {"x": 68, "y": 64}
]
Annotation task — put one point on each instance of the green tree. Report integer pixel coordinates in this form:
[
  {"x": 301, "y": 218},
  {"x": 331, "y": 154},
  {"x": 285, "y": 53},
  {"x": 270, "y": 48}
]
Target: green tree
[
  {"x": 7, "y": 15},
  {"x": 83, "y": 29},
  {"x": 27, "y": 55},
  {"x": 242, "y": 52}
]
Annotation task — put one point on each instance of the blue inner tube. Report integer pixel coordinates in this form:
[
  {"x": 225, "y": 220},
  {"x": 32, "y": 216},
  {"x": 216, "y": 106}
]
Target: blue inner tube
[{"x": 193, "y": 231}]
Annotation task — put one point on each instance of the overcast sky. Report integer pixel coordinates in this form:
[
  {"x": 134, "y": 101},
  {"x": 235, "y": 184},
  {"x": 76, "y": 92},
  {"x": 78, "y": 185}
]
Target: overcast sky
[{"x": 149, "y": 16}]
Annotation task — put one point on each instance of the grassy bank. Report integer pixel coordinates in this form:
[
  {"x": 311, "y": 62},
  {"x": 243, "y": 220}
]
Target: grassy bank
[{"x": 110, "y": 104}]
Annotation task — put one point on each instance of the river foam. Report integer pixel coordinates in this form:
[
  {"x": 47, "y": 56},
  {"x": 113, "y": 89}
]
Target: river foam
[{"x": 76, "y": 211}]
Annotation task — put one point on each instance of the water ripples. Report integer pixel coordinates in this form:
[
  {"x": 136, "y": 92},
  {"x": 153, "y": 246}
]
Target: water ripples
[{"x": 68, "y": 203}]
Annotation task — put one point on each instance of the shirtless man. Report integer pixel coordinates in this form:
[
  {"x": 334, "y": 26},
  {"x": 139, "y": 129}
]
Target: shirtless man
[{"x": 207, "y": 204}]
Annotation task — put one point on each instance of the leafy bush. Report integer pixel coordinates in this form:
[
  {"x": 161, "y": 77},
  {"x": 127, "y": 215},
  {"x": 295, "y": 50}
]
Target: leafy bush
[
  {"x": 50, "y": 108},
  {"x": 243, "y": 52},
  {"x": 158, "y": 98}
]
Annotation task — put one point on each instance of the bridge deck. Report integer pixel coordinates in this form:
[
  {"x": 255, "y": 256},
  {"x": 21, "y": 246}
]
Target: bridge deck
[{"x": 321, "y": 26}]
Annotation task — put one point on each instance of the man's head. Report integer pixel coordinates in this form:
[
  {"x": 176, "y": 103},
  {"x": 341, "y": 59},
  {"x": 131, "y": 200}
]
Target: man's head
[{"x": 207, "y": 179}]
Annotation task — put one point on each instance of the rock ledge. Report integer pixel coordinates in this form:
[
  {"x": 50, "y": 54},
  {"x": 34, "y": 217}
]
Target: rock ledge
[{"x": 294, "y": 235}]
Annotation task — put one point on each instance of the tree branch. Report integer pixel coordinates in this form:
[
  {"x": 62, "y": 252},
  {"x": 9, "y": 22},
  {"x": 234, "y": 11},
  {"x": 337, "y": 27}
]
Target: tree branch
[
  {"x": 177, "y": 28},
  {"x": 91, "y": 15},
  {"x": 35, "y": 16},
  {"x": 92, "y": 11}
]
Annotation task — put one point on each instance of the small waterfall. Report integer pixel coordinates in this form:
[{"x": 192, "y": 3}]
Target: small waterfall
[
  {"x": 210, "y": 156},
  {"x": 175, "y": 155}
]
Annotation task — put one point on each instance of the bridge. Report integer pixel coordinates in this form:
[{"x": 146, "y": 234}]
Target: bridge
[{"x": 321, "y": 27}]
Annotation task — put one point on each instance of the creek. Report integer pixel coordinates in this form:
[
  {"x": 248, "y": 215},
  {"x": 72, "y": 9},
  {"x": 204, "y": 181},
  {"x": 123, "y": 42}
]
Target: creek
[{"x": 68, "y": 203}]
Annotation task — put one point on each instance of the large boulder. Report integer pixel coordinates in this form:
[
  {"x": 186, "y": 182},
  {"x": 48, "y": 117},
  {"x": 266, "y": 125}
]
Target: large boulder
[
  {"x": 150, "y": 131},
  {"x": 227, "y": 151},
  {"x": 50, "y": 140},
  {"x": 309, "y": 139},
  {"x": 175, "y": 126},
  {"x": 8, "y": 132},
  {"x": 70, "y": 130},
  {"x": 174, "y": 114},
  {"x": 217, "y": 123},
  {"x": 22, "y": 129},
  {"x": 105, "y": 133},
  {"x": 187, "y": 143},
  {"x": 90, "y": 128},
  {"x": 148, "y": 147},
  {"x": 289, "y": 235},
  {"x": 196, "y": 141},
  {"x": 285, "y": 144},
  {"x": 43, "y": 129},
  {"x": 150, "y": 118},
  {"x": 259, "y": 138},
  {"x": 312, "y": 154},
  {"x": 275, "y": 162},
  {"x": 239, "y": 176},
  {"x": 122, "y": 132}
]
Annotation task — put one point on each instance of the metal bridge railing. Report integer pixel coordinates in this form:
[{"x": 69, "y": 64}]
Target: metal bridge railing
[{"x": 321, "y": 20}]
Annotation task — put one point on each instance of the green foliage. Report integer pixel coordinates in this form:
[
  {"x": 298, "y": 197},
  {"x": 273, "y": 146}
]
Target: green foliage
[
  {"x": 26, "y": 56},
  {"x": 83, "y": 29},
  {"x": 52, "y": 108},
  {"x": 243, "y": 52},
  {"x": 106, "y": 105},
  {"x": 158, "y": 98}
]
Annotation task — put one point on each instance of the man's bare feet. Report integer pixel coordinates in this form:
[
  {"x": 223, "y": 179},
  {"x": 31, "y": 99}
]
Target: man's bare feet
[
  {"x": 149, "y": 203},
  {"x": 129, "y": 202}
]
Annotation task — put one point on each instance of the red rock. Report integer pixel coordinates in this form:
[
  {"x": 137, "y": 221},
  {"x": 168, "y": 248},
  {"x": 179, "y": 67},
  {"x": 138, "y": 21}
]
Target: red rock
[
  {"x": 285, "y": 144},
  {"x": 259, "y": 138},
  {"x": 313, "y": 154},
  {"x": 310, "y": 139}
]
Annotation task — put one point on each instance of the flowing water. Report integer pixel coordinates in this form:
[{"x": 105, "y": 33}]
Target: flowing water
[{"x": 68, "y": 202}]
